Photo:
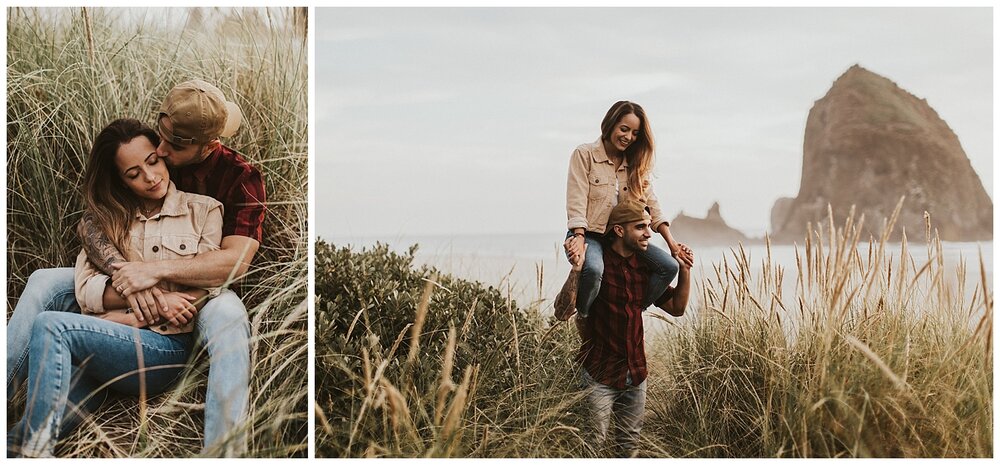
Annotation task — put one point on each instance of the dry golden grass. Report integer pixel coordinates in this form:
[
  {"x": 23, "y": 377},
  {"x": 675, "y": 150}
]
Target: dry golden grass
[{"x": 874, "y": 355}]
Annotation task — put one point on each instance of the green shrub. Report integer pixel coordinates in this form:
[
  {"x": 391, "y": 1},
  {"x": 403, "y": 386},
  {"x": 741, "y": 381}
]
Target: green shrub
[{"x": 366, "y": 305}]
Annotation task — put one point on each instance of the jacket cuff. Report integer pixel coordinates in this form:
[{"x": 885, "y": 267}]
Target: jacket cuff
[
  {"x": 92, "y": 299},
  {"x": 656, "y": 224},
  {"x": 576, "y": 222}
]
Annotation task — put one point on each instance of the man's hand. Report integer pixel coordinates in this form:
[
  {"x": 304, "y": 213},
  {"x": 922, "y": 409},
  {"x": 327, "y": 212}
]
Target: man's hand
[
  {"x": 683, "y": 254},
  {"x": 180, "y": 308},
  {"x": 132, "y": 277},
  {"x": 576, "y": 260},
  {"x": 575, "y": 247},
  {"x": 687, "y": 256},
  {"x": 147, "y": 304}
]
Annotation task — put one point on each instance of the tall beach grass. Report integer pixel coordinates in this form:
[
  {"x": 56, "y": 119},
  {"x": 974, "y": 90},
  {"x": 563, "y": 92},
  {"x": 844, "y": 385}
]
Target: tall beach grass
[
  {"x": 70, "y": 72},
  {"x": 875, "y": 355}
]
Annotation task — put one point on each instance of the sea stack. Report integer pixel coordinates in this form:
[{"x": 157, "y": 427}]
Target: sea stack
[
  {"x": 867, "y": 143},
  {"x": 711, "y": 230}
]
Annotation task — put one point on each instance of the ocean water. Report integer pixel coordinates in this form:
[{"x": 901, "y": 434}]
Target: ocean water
[{"x": 532, "y": 267}]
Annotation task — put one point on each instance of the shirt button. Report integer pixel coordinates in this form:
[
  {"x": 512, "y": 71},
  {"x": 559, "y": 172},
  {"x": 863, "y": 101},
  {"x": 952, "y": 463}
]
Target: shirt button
[
  {"x": 156, "y": 249},
  {"x": 183, "y": 246}
]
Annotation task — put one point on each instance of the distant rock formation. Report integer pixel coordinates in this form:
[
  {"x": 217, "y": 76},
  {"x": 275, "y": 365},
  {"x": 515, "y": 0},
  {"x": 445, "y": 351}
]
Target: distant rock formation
[
  {"x": 869, "y": 142},
  {"x": 711, "y": 230}
]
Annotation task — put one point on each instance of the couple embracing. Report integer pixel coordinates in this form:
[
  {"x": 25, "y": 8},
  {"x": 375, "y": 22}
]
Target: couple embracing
[{"x": 172, "y": 216}]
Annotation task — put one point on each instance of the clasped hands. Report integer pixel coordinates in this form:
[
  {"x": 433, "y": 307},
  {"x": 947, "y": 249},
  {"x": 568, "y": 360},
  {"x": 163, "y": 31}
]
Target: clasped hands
[
  {"x": 576, "y": 248},
  {"x": 683, "y": 254},
  {"x": 137, "y": 282}
]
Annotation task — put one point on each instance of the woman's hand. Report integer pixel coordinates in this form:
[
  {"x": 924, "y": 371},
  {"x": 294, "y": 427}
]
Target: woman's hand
[
  {"x": 180, "y": 308},
  {"x": 576, "y": 260},
  {"x": 683, "y": 254},
  {"x": 575, "y": 248},
  {"x": 147, "y": 304}
]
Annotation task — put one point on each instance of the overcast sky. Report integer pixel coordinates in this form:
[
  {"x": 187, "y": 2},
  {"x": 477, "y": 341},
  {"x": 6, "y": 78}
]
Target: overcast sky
[{"x": 462, "y": 121}]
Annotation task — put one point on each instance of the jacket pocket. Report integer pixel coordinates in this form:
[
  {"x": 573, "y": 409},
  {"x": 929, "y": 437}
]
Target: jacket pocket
[
  {"x": 183, "y": 246},
  {"x": 599, "y": 188}
]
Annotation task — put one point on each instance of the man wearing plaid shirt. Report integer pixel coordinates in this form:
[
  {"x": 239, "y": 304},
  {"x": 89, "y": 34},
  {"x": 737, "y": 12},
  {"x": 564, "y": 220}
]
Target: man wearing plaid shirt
[
  {"x": 192, "y": 117},
  {"x": 612, "y": 353}
]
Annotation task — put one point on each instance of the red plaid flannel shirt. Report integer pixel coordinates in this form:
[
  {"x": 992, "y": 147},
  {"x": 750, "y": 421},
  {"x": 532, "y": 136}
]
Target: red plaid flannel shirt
[
  {"x": 228, "y": 178},
  {"x": 613, "y": 344}
]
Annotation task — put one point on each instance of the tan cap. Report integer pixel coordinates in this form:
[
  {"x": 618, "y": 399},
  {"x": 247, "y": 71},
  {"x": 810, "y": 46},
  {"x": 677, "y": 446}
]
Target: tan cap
[
  {"x": 628, "y": 211},
  {"x": 198, "y": 113}
]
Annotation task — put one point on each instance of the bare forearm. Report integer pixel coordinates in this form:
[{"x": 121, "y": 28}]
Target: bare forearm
[
  {"x": 680, "y": 294},
  {"x": 664, "y": 231},
  {"x": 565, "y": 302},
  {"x": 100, "y": 251},
  {"x": 208, "y": 269},
  {"x": 112, "y": 300}
]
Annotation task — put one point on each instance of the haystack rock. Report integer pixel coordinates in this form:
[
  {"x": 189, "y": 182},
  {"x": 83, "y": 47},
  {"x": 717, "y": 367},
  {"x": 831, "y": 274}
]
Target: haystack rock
[
  {"x": 711, "y": 230},
  {"x": 868, "y": 143}
]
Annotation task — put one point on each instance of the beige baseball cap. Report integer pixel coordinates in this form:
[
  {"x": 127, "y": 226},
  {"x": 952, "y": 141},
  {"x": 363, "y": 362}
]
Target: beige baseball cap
[
  {"x": 198, "y": 113},
  {"x": 628, "y": 211}
]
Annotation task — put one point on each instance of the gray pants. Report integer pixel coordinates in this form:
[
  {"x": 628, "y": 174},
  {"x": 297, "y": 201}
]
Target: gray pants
[{"x": 625, "y": 406}]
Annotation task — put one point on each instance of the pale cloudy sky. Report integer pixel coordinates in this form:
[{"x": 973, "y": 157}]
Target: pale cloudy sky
[{"x": 462, "y": 121}]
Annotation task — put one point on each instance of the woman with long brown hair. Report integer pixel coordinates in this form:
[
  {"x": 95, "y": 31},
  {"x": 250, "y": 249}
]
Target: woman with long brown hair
[
  {"x": 614, "y": 168},
  {"x": 74, "y": 359}
]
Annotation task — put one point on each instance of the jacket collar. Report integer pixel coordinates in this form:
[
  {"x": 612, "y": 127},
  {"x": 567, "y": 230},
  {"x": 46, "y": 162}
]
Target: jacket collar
[
  {"x": 599, "y": 155},
  {"x": 172, "y": 204}
]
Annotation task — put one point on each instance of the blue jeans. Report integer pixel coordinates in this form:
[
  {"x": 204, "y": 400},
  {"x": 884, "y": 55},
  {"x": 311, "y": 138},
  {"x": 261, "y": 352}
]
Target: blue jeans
[
  {"x": 663, "y": 269},
  {"x": 625, "y": 406},
  {"x": 222, "y": 327},
  {"x": 68, "y": 347}
]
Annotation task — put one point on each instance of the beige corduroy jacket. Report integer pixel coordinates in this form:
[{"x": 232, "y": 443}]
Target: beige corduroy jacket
[
  {"x": 590, "y": 190},
  {"x": 186, "y": 225}
]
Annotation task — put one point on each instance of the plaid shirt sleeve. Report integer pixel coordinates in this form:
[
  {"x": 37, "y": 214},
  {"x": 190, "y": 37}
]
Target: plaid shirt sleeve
[{"x": 245, "y": 209}]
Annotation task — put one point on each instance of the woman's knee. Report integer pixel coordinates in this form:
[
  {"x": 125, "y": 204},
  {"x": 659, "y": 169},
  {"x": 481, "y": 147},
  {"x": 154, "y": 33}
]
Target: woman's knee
[
  {"x": 47, "y": 286},
  {"x": 670, "y": 265},
  {"x": 51, "y": 323},
  {"x": 663, "y": 263},
  {"x": 223, "y": 312},
  {"x": 51, "y": 275}
]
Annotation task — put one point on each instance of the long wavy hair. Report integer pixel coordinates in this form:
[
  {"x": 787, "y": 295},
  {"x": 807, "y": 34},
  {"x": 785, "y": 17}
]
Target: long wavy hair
[
  {"x": 641, "y": 153},
  {"x": 111, "y": 203}
]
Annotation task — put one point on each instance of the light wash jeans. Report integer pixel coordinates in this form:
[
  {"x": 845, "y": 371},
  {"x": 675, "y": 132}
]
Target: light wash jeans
[
  {"x": 624, "y": 406},
  {"x": 663, "y": 269},
  {"x": 222, "y": 327},
  {"x": 80, "y": 354}
]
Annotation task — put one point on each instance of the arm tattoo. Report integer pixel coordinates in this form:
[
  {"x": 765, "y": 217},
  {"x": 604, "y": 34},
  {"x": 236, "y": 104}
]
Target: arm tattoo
[
  {"x": 100, "y": 251},
  {"x": 565, "y": 303}
]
